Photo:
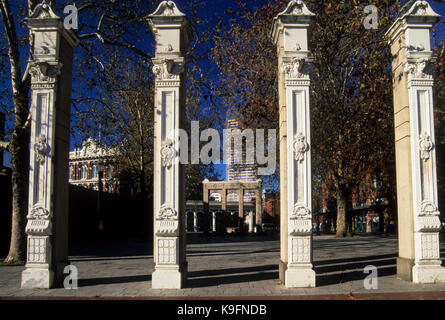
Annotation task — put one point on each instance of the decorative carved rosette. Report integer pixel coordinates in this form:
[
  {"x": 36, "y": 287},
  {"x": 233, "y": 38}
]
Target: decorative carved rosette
[
  {"x": 300, "y": 222},
  {"x": 300, "y": 211},
  {"x": 167, "y": 221},
  {"x": 425, "y": 146},
  {"x": 39, "y": 221},
  {"x": 428, "y": 219},
  {"x": 428, "y": 208},
  {"x": 168, "y": 69},
  {"x": 300, "y": 147},
  {"x": 167, "y": 212},
  {"x": 167, "y": 154},
  {"x": 41, "y": 148},
  {"x": 39, "y": 212}
]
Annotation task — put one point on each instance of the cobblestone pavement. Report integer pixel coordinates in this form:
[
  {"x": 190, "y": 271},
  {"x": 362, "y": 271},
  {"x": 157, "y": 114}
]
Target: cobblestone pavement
[{"x": 231, "y": 267}]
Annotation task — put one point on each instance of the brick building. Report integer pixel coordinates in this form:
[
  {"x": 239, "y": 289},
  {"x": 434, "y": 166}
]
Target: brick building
[
  {"x": 369, "y": 208},
  {"x": 85, "y": 164}
]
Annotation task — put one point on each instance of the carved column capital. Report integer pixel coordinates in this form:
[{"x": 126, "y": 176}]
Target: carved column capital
[
  {"x": 296, "y": 68},
  {"x": 420, "y": 68},
  {"x": 44, "y": 73},
  {"x": 168, "y": 69}
]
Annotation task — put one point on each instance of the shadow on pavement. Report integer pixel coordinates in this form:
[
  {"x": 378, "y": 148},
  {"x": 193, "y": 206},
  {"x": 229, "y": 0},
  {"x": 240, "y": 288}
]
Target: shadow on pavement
[
  {"x": 230, "y": 276},
  {"x": 336, "y": 271},
  {"x": 113, "y": 280},
  {"x": 328, "y": 272}
]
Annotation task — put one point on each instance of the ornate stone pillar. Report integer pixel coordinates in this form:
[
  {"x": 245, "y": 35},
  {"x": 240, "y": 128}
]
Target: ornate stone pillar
[
  {"x": 418, "y": 214},
  {"x": 50, "y": 71},
  {"x": 172, "y": 32},
  {"x": 291, "y": 33}
]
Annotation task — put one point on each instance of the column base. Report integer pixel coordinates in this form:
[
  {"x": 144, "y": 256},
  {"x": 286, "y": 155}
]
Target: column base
[
  {"x": 37, "y": 278},
  {"x": 300, "y": 277},
  {"x": 431, "y": 273},
  {"x": 164, "y": 278},
  {"x": 282, "y": 267},
  {"x": 405, "y": 269}
]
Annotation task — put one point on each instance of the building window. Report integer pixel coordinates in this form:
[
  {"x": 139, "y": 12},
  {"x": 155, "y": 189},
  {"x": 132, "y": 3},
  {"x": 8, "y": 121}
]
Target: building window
[
  {"x": 94, "y": 171},
  {"x": 70, "y": 173},
  {"x": 83, "y": 173}
]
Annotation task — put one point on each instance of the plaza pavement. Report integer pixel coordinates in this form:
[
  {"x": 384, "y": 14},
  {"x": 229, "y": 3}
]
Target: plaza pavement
[{"x": 235, "y": 266}]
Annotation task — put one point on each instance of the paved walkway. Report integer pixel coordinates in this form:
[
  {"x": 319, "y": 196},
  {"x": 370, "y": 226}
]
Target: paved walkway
[{"x": 231, "y": 267}]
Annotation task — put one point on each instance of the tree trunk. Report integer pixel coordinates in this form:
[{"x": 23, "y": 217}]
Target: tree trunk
[
  {"x": 342, "y": 220},
  {"x": 19, "y": 145},
  {"x": 19, "y": 150}
]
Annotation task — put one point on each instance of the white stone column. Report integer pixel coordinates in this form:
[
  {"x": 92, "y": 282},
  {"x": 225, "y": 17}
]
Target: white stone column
[
  {"x": 291, "y": 32},
  {"x": 251, "y": 221},
  {"x": 50, "y": 71},
  {"x": 214, "y": 221},
  {"x": 418, "y": 213},
  {"x": 259, "y": 205},
  {"x": 195, "y": 221},
  {"x": 172, "y": 32}
]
